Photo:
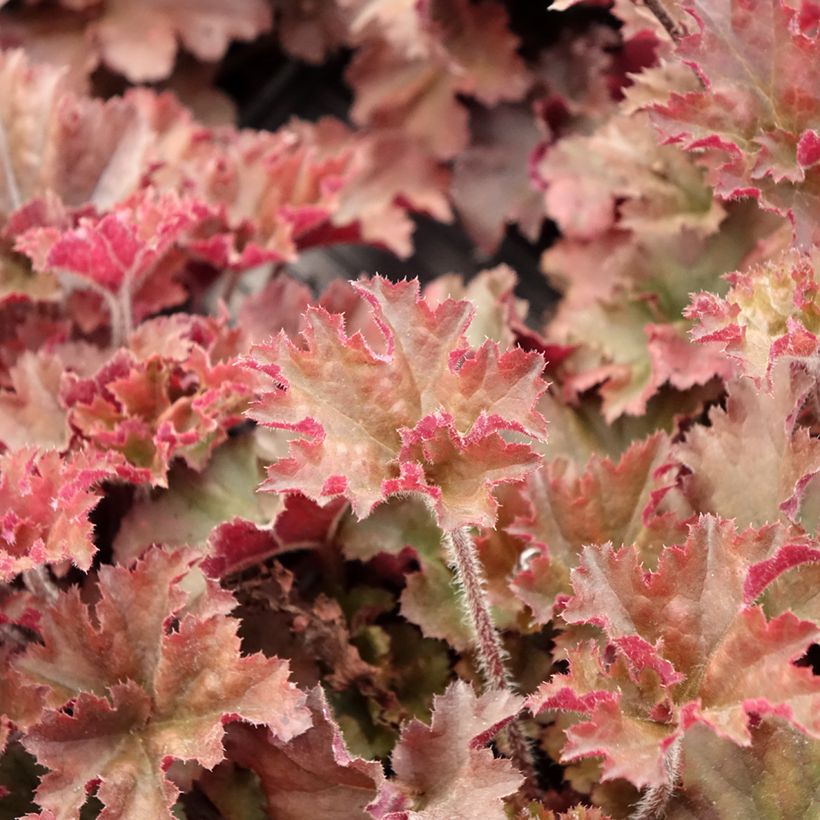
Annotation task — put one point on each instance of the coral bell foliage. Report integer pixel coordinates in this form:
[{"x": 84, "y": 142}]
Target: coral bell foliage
[{"x": 278, "y": 544}]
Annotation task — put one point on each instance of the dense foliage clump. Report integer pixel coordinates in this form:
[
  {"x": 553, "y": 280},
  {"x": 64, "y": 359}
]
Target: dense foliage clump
[{"x": 277, "y": 544}]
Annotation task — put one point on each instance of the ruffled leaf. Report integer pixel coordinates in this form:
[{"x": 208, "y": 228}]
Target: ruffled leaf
[
  {"x": 422, "y": 417},
  {"x": 443, "y": 770},
  {"x": 564, "y": 510},
  {"x": 140, "y": 41},
  {"x": 771, "y": 311},
  {"x": 416, "y": 90},
  {"x": 31, "y": 412},
  {"x": 756, "y": 484},
  {"x": 174, "y": 392},
  {"x": 46, "y": 501},
  {"x": 755, "y": 117},
  {"x": 143, "y": 692},
  {"x": 685, "y": 648},
  {"x": 130, "y": 255},
  {"x": 311, "y": 773}
]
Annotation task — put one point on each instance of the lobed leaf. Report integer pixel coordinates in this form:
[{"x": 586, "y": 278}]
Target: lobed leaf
[
  {"x": 313, "y": 772},
  {"x": 443, "y": 770},
  {"x": 564, "y": 509},
  {"x": 141, "y": 692},
  {"x": 205, "y": 29},
  {"x": 46, "y": 502},
  {"x": 173, "y": 392},
  {"x": 685, "y": 648},
  {"x": 770, "y": 312},
  {"x": 755, "y": 116},
  {"x": 424, "y": 416},
  {"x": 764, "y": 483}
]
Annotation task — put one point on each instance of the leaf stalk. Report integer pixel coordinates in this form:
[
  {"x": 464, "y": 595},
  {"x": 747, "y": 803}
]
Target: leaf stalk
[
  {"x": 655, "y": 800},
  {"x": 463, "y": 557},
  {"x": 665, "y": 19}
]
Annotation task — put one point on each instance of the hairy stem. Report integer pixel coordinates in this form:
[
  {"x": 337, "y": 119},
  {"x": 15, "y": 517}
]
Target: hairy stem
[
  {"x": 520, "y": 752},
  {"x": 653, "y": 804},
  {"x": 70, "y": 281},
  {"x": 664, "y": 18},
  {"x": 465, "y": 560},
  {"x": 470, "y": 577}
]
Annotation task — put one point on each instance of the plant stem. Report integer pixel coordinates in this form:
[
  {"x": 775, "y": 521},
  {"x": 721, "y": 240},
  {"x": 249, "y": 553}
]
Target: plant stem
[
  {"x": 653, "y": 804},
  {"x": 231, "y": 281},
  {"x": 521, "y": 755},
  {"x": 127, "y": 308},
  {"x": 38, "y": 582},
  {"x": 71, "y": 281},
  {"x": 664, "y": 18},
  {"x": 12, "y": 634},
  {"x": 470, "y": 578},
  {"x": 15, "y": 199}
]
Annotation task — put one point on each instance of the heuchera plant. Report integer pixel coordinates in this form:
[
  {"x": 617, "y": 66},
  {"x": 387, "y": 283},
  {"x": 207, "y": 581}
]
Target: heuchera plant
[{"x": 276, "y": 547}]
